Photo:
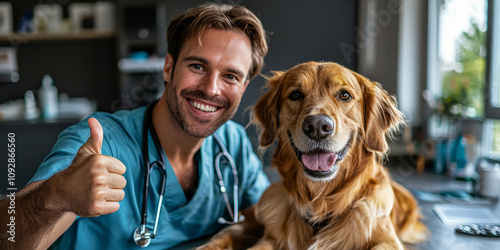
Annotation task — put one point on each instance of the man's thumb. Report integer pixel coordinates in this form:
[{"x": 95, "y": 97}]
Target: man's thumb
[{"x": 94, "y": 143}]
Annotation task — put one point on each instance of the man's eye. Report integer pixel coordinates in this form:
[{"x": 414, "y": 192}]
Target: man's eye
[
  {"x": 231, "y": 77},
  {"x": 196, "y": 66},
  {"x": 295, "y": 95}
]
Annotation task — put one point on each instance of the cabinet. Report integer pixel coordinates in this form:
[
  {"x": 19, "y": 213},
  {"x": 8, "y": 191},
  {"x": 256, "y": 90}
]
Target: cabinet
[
  {"x": 82, "y": 64},
  {"x": 142, "y": 45},
  {"x": 17, "y": 38}
]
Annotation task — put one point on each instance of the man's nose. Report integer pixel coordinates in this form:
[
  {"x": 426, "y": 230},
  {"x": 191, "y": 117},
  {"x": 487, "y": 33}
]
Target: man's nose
[{"x": 211, "y": 84}]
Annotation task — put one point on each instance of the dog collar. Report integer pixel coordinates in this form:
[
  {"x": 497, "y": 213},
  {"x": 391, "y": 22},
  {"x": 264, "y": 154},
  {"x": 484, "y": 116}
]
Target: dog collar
[{"x": 318, "y": 225}]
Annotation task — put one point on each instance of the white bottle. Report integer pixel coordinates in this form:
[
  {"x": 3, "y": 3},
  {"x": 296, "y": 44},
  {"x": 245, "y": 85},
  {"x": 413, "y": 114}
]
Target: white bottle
[
  {"x": 30, "y": 109},
  {"x": 48, "y": 98}
]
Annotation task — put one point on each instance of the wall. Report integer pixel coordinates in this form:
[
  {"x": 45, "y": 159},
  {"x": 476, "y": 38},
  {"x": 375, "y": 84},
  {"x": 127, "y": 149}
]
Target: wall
[
  {"x": 412, "y": 60},
  {"x": 393, "y": 51},
  {"x": 378, "y": 42}
]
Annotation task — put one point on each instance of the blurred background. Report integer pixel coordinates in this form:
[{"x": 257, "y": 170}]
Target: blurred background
[{"x": 61, "y": 60}]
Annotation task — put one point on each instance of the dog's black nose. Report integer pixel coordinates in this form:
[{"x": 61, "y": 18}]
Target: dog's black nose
[{"x": 318, "y": 127}]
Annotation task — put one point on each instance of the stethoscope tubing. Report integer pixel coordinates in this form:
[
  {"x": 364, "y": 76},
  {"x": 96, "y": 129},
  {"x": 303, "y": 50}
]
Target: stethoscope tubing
[
  {"x": 225, "y": 153},
  {"x": 149, "y": 168}
]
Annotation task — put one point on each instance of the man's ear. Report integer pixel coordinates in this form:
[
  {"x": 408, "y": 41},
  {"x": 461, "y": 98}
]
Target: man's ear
[
  {"x": 266, "y": 110},
  {"x": 381, "y": 116},
  {"x": 168, "y": 67}
]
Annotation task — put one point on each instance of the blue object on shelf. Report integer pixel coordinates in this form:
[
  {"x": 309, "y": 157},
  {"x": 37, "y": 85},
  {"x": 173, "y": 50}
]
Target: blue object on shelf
[
  {"x": 441, "y": 160},
  {"x": 139, "y": 55},
  {"x": 26, "y": 22},
  {"x": 458, "y": 153}
]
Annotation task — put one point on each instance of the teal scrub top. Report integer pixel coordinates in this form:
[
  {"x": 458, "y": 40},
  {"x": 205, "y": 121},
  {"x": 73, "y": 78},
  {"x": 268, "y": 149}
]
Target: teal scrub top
[{"x": 180, "y": 220}]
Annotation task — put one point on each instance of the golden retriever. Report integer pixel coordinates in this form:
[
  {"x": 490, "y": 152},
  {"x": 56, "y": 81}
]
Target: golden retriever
[{"x": 329, "y": 126}]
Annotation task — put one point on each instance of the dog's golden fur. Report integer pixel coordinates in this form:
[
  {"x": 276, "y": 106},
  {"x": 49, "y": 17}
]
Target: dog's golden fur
[{"x": 352, "y": 205}]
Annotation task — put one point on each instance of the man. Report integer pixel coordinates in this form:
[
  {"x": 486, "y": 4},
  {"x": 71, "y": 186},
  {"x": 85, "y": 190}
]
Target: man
[{"x": 92, "y": 197}]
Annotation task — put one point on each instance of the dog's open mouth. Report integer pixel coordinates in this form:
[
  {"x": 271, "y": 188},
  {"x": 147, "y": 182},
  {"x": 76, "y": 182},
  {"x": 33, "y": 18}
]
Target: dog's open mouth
[{"x": 319, "y": 163}]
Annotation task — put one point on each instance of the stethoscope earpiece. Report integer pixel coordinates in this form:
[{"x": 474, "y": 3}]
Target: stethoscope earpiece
[{"x": 221, "y": 220}]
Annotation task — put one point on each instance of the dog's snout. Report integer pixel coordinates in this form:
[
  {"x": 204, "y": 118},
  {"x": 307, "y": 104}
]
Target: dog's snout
[{"x": 318, "y": 127}]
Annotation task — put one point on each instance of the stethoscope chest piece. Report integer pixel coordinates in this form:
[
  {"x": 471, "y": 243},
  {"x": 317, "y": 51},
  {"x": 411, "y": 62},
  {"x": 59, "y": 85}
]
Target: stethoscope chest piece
[{"x": 142, "y": 236}]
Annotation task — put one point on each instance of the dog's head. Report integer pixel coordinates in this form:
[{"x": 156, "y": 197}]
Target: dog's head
[{"x": 320, "y": 112}]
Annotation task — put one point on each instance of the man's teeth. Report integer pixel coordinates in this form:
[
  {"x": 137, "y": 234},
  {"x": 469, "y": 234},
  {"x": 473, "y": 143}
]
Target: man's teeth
[{"x": 203, "y": 107}]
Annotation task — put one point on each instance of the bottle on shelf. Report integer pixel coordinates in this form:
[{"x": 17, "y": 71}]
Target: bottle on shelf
[
  {"x": 48, "y": 98},
  {"x": 30, "y": 110}
]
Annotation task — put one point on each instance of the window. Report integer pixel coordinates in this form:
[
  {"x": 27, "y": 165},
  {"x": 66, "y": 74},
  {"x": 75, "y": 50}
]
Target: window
[
  {"x": 459, "y": 61},
  {"x": 462, "y": 53},
  {"x": 492, "y": 93},
  {"x": 464, "y": 68},
  {"x": 458, "y": 52}
]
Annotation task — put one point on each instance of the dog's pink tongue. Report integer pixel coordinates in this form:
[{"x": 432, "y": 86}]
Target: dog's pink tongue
[{"x": 319, "y": 161}]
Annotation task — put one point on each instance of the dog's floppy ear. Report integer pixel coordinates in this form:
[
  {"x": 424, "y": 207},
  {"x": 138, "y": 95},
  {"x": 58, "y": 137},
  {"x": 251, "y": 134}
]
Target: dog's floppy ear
[
  {"x": 381, "y": 116},
  {"x": 266, "y": 110}
]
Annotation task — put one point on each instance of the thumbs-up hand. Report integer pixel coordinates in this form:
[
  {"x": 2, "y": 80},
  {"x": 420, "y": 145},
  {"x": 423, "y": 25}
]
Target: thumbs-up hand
[
  {"x": 93, "y": 184},
  {"x": 94, "y": 143}
]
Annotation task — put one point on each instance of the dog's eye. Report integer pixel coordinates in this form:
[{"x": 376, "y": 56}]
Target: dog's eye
[
  {"x": 295, "y": 95},
  {"x": 345, "y": 96}
]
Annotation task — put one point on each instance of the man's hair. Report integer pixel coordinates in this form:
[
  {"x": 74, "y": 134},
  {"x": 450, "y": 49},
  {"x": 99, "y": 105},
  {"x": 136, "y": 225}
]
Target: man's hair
[{"x": 197, "y": 20}]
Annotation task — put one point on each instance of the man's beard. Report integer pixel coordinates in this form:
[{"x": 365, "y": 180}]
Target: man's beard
[{"x": 204, "y": 130}]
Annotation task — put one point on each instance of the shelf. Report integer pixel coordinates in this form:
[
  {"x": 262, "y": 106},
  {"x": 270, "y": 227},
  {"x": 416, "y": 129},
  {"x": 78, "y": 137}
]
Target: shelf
[
  {"x": 10, "y": 77},
  {"x": 141, "y": 41},
  {"x": 56, "y": 36},
  {"x": 151, "y": 65},
  {"x": 36, "y": 122}
]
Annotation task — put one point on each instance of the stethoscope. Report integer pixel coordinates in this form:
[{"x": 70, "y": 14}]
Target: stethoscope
[{"x": 142, "y": 235}]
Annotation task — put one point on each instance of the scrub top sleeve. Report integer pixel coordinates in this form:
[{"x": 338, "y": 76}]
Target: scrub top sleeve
[
  {"x": 256, "y": 179},
  {"x": 66, "y": 147}
]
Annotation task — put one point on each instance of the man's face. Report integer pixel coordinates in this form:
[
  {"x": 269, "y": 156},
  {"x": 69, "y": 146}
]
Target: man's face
[{"x": 208, "y": 81}]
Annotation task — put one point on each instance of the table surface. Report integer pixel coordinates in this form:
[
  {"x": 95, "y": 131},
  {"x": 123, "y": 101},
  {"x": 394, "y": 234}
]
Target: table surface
[{"x": 442, "y": 236}]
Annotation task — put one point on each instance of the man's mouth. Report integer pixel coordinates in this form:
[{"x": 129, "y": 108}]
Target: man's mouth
[
  {"x": 203, "y": 107},
  {"x": 201, "y": 101},
  {"x": 318, "y": 162}
]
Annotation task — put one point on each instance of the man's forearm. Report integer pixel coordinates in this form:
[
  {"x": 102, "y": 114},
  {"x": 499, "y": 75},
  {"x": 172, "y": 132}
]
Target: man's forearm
[{"x": 37, "y": 220}]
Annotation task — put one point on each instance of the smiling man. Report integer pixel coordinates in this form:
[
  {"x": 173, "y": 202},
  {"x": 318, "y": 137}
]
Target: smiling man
[{"x": 89, "y": 192}]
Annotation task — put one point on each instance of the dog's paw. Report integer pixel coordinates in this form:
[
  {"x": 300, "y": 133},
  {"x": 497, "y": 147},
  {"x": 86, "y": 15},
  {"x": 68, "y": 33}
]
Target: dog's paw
[
  {"x": 220, "y": 242},
  {"x": 210, "y": 247},
  {"x": 388, "y": 246},
  {"x": 261, "y": 248}
]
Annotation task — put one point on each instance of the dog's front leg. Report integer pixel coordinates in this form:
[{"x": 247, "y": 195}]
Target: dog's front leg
[
  {"x": 386, "y": 246},
  {"x": 263, "y": 244},
  {"x": 384, "y": 235},
  {"x": 232, "y": 237},
  {"x": 237, "y": 236}
]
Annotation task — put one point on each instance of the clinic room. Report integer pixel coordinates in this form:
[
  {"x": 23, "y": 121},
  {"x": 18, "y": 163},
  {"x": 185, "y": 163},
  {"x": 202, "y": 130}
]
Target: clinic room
[{"x": 195, "y": 124}]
